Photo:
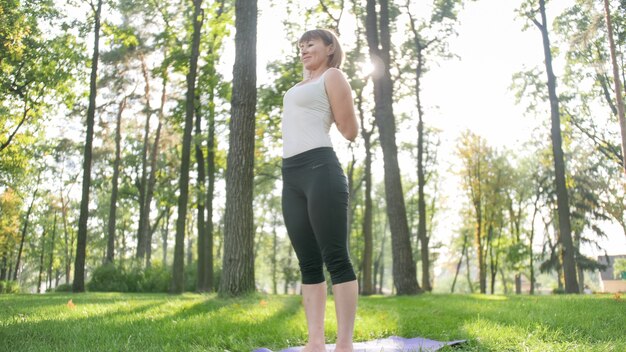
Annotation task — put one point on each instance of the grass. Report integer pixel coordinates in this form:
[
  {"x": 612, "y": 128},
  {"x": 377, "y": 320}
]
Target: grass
[{"x": 191, "y": 322}]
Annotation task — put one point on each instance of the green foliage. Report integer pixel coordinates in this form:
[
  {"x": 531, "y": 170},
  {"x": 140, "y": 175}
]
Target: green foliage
[
  {"x": 63, "y": 288},
  {"x": 112, "y": 278},
  {"x": 10, "y": 205},
  {"x": 9, "y": 287},
  {"x": 108, "y": 278}
]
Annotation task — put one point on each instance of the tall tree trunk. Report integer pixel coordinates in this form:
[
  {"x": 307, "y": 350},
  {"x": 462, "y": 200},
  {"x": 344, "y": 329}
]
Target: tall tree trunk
[
  {"x": 458, "y": 265},
  {"x": 404, "y": 272},
  {"x": 238, "y": 263},
  {"x": 150, "y": 193},
  {"x": 565, "y": 229},
  {"x": 164, "y": 232},
  {"x": 66, "y": 239},
  {"x": 51, "y": 261},
  {"x": 200, "y": 190},
  {"x": 422, "y": 233},
  {"x": 468, "y": 273},
  {"x": 41, "y": 255},
  {"x": 178, "y": 282},
  {"x": 24, "y": 230},
  {"x": 274, "y": 258},
  {"x": 368, "y": 286},
  {"x": 114, "y": 183},
  {"x": 208, "y": 243},
  {"x": 617, "y": 82},
  {"x": 142, "y": 183},
  {"x": 81, "y": 243}
]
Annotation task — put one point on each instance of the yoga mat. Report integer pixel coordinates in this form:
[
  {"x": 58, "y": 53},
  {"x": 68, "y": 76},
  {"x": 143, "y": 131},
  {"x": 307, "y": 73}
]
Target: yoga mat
[{"x": 390, "y": 344}]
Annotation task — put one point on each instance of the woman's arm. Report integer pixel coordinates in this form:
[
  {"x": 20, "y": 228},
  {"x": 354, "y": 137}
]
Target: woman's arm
[{"x": 341, "y": 103}]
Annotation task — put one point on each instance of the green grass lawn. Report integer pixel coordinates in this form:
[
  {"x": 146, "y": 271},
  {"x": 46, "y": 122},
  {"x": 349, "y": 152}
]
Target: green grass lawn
[{"x": 191, "y": 322}]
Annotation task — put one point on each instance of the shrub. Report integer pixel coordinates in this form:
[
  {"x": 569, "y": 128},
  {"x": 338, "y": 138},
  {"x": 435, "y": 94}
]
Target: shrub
[
  {"x": 9, "y": 287},
  {"x": 191, "y": 277},
  {"x": 63, "y": 288},
  {"x": 156, "y": 279},
  {"x": 108, "y": 278}
]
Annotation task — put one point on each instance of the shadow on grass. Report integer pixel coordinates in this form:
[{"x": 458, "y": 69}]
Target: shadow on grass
[{"x": 164, "y": 323}]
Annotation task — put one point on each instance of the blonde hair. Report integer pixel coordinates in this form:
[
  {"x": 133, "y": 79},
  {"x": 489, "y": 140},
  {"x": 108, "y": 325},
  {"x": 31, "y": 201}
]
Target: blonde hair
[{"x": 329, "y": 38}]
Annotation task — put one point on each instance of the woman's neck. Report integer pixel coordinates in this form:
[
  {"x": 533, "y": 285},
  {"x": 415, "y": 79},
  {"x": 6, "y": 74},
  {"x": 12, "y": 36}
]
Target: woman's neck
[{"x": 316, "y": 73}]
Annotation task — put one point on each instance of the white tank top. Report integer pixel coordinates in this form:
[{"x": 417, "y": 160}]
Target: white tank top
[{"x": 306, "y": 118}]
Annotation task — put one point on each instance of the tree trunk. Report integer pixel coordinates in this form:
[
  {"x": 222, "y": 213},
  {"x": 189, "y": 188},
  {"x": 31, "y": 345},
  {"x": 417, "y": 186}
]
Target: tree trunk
[
  {"x": 142, "y": 183},
  {"x": 51, "y": 261},
  {"x": 114, "y": 183},
  {"x": 24, "y": 230},
  {"x": 274, "y": 260},
  {"x": 422, "y": 233},
  {"x": 458, "y": 265},
  {"x": 81, "y": 243},
  {"x": 164, "y": 232},
  {"x": 66, "y": 238},
  {"x": 178, "y": 282},
  {"x": 567, "y": 252},
  {"x": 468, "y": 273},
  {"x": 208, "y": 243},
  {"x": 41, "y": 255},
  {"x": 149, "y": 231},
  {"x": 368, "y": 287},
  {"x": 238, "y": 263},
  {"x": 200, "y": 190},
  {"x": 404, "y": 272},
  {"x": 617, "y": 82}
]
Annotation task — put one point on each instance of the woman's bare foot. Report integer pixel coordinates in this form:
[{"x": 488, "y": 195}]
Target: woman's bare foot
[
  {"x": 343, "y": 349},
  {"x": 314, "y": 348}
]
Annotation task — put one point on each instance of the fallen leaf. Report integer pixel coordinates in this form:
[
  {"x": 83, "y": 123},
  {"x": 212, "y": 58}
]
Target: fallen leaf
[{"x": 70, "y": 304}]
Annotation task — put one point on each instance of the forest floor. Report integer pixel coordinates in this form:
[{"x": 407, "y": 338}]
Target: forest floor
[{"x": 194, "y": 322}]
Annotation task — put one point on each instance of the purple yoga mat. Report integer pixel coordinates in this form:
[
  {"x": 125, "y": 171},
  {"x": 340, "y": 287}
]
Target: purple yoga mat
[{"x": 390, "y": 344}]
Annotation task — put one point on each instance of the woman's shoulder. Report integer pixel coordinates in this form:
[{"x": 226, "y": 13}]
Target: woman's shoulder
[
  {"x": 335, "y": 76},
  {"x": 334, "y": 72}
]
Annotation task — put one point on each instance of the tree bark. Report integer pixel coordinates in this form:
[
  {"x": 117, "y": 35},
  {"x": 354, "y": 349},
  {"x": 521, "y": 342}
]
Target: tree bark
[
  {"x": 458, "y": 265},
  {"x": 24, "y": 230},
  {"x": 238, "y": 261},
  {"x": 150, "y": 192},
  {"x": 404, "y": 272},
  {"x": 81, "y": 243},
  {"x": 51, "y": 261},
  {"x": 567, "y": 252},
  {"x": 41, "y": 255},
  {"x": 368, "y": 286},
  {"x": 200, "y": 190},
  {"x": 178, "y": 282},
  {"x": 114, "y": 184},
  {"x": 142, "y": 183}
]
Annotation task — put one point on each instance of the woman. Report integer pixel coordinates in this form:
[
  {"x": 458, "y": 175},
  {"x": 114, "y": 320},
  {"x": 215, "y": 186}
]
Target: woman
[{"x": 315, "y": 189}]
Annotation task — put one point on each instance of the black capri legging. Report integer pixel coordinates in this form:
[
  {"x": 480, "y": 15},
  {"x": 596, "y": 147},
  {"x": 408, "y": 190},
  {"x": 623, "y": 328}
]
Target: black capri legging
[{"x": 315, "y": 209}]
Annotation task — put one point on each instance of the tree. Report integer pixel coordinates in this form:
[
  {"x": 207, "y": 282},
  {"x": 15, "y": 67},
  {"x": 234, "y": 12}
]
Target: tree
[
  {"x": 10, "y": 205},
  {"x": 421, "y": 47},
  {"x": 564, "y": 223},
  {"x": 617, "y": 82},
  {"x": 379, "y": 42},
  {"x": 177, "y": 285},
  {"x": 81, "y": 243},
  {"x": 238, "y": 260}
]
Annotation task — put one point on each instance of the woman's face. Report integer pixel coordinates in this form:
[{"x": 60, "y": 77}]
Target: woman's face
[{"x": 314, "y": 54}]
